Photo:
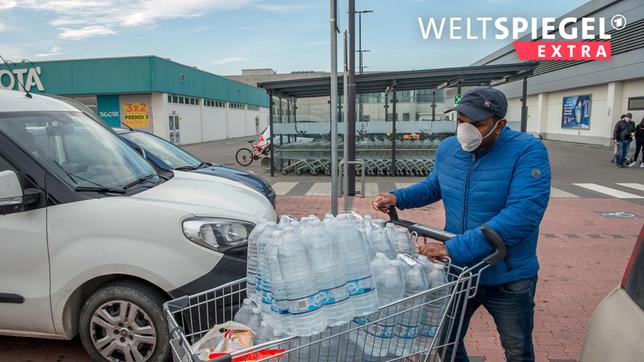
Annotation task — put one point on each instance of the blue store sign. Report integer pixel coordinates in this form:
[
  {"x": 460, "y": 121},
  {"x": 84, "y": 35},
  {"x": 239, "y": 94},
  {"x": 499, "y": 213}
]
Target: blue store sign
[{"x": 108, "y": 109}]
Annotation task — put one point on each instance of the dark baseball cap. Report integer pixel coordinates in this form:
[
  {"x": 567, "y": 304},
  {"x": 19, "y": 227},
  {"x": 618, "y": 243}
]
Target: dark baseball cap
[{"x": 480, "y": 103}]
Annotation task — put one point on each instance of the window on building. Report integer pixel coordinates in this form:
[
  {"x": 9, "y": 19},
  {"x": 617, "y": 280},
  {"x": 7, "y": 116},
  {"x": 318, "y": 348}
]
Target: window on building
[
  {"x": 175, "y": 99},
  {"x": 237, "y": 105},
  {"x": 220, "y": 104},
  {"x": 180, "y": 100},
  {"x": 405, "y": 117},
  {"x": 636, "y": 104},
  {"x": 169, "y": 98},
  {"x": 251, "y": 107}
]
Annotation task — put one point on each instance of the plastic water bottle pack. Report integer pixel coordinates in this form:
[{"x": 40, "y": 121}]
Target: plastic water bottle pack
[{"x": 314, "y": 278}]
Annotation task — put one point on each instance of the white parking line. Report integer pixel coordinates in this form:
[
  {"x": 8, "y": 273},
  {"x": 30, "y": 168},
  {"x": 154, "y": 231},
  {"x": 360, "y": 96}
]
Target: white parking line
[
  {"x": 608, "y": 191},
  {"x": 633, "y": 185},
  {"x": 554, "y": 192},
  {"x": 371, "y": 188},
  {"x": 320, "y": 189},
  {"x": 400, "y": 185},
  {"x": 283, "y": 187}
]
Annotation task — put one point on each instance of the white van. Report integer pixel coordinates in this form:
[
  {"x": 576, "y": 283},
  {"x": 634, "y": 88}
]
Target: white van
[{"x": 93, "y": 240}]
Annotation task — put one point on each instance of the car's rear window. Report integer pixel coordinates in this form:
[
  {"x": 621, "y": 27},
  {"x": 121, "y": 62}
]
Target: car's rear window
[{"x": 634, "y": 285}]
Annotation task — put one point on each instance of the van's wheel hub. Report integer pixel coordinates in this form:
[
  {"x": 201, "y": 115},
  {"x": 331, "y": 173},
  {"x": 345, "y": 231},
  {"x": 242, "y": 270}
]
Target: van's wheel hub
[{"x": 122, "y": 331}]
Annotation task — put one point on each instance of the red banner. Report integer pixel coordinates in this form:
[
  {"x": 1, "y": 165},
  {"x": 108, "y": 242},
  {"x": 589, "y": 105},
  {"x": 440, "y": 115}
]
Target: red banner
[{"x": 562, "y": 50}]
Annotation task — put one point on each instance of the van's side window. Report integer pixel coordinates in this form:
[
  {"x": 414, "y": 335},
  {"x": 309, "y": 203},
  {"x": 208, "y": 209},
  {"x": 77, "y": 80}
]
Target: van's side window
[{"x": 5, "y": 165}]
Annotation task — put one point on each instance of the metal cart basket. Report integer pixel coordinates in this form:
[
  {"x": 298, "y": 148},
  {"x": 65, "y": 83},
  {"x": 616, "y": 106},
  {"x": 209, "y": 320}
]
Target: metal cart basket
[{"x": 191, "y": 317}]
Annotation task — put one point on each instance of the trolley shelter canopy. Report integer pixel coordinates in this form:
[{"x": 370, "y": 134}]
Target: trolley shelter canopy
[{"x": 405, "y": 80}]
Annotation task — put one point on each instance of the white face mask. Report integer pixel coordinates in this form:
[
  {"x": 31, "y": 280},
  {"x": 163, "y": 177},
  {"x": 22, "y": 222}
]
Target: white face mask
[{"x": 469, "y": 136}]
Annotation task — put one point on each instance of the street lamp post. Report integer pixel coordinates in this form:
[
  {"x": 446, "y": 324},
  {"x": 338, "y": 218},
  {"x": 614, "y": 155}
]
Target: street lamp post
[{"x": 360, "y": 52}]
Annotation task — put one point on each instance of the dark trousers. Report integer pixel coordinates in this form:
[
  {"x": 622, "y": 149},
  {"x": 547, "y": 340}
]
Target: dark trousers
[
  {"x": 639, "y": 146},
  {"x": 512, "y": 307}
]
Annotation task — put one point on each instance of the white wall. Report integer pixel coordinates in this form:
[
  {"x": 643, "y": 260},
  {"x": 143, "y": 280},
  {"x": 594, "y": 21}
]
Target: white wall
[
  {"x": 214, "y": 124},
  {"x": 236, "y": 122},
  {"x": 631, "y": 89},
  {"x": 202, "y": 124}
]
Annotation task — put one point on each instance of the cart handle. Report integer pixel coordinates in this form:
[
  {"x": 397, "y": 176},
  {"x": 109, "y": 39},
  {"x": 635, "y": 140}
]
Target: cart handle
[{"x": 490, "y": 234}]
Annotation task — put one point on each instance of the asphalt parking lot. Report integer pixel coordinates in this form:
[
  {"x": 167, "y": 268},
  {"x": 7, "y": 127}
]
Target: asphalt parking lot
[{"x": 583, "y": 246}]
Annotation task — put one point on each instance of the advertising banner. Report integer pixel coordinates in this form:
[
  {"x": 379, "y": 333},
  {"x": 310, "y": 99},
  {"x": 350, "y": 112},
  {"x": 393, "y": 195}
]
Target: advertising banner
[
  {"x": 576, "y": 112},
  {"x": 108, "y": 109},
  {"x": 136, "y": 114}
]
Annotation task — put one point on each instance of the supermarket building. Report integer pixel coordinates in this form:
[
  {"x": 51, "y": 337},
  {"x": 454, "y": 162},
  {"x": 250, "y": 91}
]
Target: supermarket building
[{"x": 177, "y": 102}]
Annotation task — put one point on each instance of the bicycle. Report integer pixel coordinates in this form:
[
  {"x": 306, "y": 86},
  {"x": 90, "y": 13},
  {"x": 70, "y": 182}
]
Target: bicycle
[{"x": 257, "y": 151}]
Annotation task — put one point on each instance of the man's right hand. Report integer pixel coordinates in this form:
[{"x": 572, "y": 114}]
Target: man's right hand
[{"x": 383, "y": 202}]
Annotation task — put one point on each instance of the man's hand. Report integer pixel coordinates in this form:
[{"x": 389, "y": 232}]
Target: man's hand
[
  {"x": 433, "y": 250},
  {"x": 383, "y": 202}
]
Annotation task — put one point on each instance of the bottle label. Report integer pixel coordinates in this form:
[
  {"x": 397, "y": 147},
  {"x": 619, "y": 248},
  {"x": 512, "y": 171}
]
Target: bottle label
[
  {"x": 267, "y": 297},
  {"x": 381, "y": 330},
  {"x": 428, "y": 330},
  {"x": 279, "y": 306},
  {"x": 360, "y": 286},
  {"x": 334, "y": 295},
  {"x": 406, "y": 331},
  {"x": 305, "y": 305}
]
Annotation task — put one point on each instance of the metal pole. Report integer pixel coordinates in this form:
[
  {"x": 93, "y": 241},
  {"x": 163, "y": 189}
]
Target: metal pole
[
  {"x": 394, "y": 118},
  {"x": 295, "y": 115},
  {"x": 270, "y": 122},
  {"x": 345, "y": 157},
  {"x": 288, "y": 116},
  {"x": 350, "y": 136},
  {"x": 281, "y": 112},
  {"x": 333, "y": 112},
  {"x": 360, "y": 41},
  {"x": 524, "y": 106},
  {"x": 433, "y": 104}
]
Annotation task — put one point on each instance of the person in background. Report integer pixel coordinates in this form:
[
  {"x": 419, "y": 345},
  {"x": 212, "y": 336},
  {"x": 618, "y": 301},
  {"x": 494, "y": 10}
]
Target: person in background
[
  {"x": 623, "y": 135},
  {"x": 639, "y": 144},
  {"x": 615, "y": 144}
]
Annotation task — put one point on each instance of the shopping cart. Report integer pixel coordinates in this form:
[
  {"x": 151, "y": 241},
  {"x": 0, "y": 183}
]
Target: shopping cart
[{"x": 191, "y": 317}]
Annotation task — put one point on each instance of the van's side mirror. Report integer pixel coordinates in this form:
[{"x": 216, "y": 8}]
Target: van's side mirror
[
  {"x": 141, "y": 151},
  {"x": 12, "y": 198}
]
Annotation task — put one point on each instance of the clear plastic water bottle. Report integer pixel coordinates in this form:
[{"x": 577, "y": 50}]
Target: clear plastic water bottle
[
  {"x": 402, "y": 242},
  {"x": 249, "y": 315},
  {"x": 304, "y": 305},
  {"x": 251, "y": 261},
  {"x": 408, "y": 322},
  {"x": 360, "y": 285},
  {"x": 263, "y": 295},
  {"x": 279, "y": 319},
  {"x": 438, "y": 299},
  {"x": 324, "y": 256},
  {"x": 265, "y": 333},
  {"x": 381, "y": 243},
  {"x": 378, "y": 337}
]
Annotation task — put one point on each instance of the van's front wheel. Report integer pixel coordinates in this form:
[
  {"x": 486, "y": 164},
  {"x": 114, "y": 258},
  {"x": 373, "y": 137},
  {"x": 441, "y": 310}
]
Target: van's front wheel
[{"x": 124, "y": 321}]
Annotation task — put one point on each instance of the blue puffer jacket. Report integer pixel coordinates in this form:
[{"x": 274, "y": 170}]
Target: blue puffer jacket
[{"x": 506, "y": 187}]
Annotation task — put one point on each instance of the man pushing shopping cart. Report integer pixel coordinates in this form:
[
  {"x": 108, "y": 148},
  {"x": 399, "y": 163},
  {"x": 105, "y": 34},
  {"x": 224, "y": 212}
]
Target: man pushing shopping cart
[{"x": 488, "y": 174}]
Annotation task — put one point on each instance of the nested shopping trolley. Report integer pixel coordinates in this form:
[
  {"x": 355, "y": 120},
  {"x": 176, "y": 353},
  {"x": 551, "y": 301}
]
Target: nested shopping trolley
[{"x": 420, "y": 327}]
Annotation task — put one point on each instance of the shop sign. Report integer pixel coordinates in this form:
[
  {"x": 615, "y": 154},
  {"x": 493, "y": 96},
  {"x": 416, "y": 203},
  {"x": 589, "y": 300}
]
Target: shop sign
[
  {"x": 136, "y": 115},
  {"x": 21, "y": 79}
]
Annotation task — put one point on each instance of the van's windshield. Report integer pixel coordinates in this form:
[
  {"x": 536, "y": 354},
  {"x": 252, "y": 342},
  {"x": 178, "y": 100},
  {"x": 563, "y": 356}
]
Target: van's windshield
[{"x": 77, "y": 149}]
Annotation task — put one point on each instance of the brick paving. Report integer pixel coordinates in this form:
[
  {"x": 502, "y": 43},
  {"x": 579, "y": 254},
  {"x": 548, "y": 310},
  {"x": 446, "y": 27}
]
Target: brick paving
[{"x": 582, "y": 256}]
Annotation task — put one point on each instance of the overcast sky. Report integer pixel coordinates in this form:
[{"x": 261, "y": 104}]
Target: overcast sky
[{"x": 225, "y": 36}]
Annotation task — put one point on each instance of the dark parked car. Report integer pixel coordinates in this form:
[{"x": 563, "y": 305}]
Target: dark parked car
[{"x": 166, "y": 155}]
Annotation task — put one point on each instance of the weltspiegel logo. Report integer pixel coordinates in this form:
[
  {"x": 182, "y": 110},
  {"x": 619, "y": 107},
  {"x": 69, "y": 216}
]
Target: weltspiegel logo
[{"x": 583, "y": 38}]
